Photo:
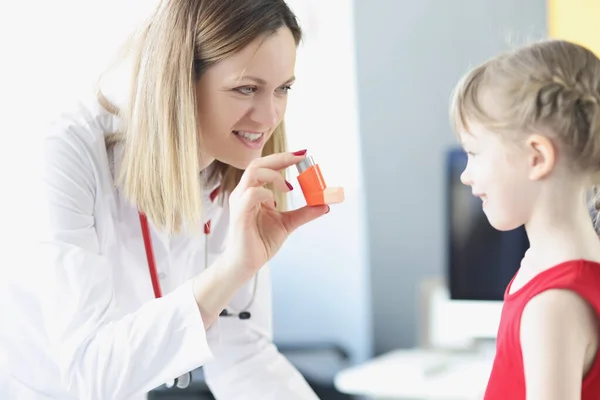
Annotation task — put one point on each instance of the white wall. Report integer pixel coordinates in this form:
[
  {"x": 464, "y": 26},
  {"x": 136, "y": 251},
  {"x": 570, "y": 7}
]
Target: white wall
[
  {"x": 321, "y": 287},
  {"x": 51, "y": 52}
]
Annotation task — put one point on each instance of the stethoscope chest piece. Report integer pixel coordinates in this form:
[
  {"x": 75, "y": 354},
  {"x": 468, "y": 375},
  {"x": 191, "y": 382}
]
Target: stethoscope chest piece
[
  {"x": 182, "y": 382},
  {"x": 241, "y": 315}
]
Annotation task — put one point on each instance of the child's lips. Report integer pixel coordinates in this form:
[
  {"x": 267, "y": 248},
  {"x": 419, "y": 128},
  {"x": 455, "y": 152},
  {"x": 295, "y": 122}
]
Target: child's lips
[{"x": 481, "y": 196}]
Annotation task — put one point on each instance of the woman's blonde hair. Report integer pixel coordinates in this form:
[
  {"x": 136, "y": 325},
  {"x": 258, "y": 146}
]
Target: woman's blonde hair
[
  {"x": 552, "y": 87},
  {"x": 160, "y": 168}
]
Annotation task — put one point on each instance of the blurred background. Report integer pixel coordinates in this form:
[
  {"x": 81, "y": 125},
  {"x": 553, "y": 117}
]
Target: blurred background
[{"x": 396, "y": 293}]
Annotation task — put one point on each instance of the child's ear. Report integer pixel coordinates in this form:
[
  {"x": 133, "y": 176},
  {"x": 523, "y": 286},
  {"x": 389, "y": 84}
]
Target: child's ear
[{"x": 541, "y": 156}]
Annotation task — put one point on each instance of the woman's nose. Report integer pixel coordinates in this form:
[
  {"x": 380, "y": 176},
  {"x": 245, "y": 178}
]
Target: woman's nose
[{"x": 266, "y": 113}]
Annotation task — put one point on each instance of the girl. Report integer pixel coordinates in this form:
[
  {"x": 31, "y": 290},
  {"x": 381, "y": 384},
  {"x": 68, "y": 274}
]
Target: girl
[{"x": 530, "y": 123}]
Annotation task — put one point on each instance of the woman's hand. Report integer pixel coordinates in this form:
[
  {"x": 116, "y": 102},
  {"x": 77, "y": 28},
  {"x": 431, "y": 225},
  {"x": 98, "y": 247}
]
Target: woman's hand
[
  {"x": 257, "y": 229},
  {"x": 256, "y": 232}
]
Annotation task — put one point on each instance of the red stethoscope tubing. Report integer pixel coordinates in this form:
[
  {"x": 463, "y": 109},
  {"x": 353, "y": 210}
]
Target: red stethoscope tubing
[
  {"x": 152, "y": 261},
  {"x": 150, "y": 250},
  {"x": 150, "y": 255}
]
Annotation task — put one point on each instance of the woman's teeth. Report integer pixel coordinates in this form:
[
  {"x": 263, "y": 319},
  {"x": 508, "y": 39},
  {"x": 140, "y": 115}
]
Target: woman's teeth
[{"x": 249, "y": 135}]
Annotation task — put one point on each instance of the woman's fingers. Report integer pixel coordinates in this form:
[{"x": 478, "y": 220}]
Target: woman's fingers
[
  {"x": 292, "y": 220},
  {"x": 278, "y": 161},
  {"x": 257, "y": 176},
  {"x": 264, "y": 170},
  {"x": 257, "y": 195}
]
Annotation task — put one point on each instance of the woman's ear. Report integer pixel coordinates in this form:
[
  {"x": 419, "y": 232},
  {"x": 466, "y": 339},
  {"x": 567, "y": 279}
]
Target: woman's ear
[{"x": 541, "y": 156}]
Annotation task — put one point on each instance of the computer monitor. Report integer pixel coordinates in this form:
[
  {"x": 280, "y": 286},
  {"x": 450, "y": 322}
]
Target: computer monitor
[{"x": 481, "y": 260}]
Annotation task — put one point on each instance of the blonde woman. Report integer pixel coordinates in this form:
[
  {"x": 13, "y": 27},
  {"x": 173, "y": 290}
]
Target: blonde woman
[{"x": 163, "y": 207}]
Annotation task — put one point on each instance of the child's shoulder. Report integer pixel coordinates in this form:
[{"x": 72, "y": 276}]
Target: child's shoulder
[
  {"x": 568, "y": 291},
  {"x": 558, "y": 335},
  {"x": 580, "y": 276},
  {"x": 565, "y": 301}
]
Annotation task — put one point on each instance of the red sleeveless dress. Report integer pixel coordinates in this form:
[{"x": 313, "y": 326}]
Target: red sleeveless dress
[{"x": 507, "y": 379}]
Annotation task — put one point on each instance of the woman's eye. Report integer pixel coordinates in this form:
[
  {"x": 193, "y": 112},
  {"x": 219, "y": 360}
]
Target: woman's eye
[{"x": 246, "y": 90}]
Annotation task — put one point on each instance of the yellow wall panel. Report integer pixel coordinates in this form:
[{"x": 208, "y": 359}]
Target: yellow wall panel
[{"x": 577, "y": 21}]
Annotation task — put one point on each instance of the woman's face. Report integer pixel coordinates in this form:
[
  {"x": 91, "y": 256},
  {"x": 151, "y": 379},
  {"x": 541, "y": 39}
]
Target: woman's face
[{"x": 242, "y": 99}]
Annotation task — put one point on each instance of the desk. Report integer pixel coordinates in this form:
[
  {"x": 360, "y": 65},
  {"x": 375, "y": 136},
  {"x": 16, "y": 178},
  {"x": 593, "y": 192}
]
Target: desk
[{"x": 418, "y": 374}]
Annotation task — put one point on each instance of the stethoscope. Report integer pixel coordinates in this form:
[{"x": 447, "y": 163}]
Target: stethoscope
[{"x": 184, "y": 380}]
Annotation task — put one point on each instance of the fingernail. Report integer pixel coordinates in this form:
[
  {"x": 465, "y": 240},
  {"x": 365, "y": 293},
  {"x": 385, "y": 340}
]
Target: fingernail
[
  {"x": 328, "y": 209},
  {"x": 289, "y": 185},
  {"x": 299, "y": 153}
]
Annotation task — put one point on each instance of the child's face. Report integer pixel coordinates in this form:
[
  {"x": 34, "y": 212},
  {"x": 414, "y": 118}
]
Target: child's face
[{"x": 498, "y": 175}]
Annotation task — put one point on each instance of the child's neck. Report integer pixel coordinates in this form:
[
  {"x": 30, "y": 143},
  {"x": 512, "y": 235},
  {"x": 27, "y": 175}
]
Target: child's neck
[{"x": 561, "y": 230}]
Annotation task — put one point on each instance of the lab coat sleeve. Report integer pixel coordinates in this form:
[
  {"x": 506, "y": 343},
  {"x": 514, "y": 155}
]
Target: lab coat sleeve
[
  {"x": 247, "y": 365},
  {"x": 101, "y": 352}
]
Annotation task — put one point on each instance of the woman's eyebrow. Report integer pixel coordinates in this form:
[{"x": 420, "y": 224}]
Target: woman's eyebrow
[{"x": 261, "y": 81}]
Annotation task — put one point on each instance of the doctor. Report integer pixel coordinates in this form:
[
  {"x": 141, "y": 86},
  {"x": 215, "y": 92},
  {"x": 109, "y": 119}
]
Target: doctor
[{"x": 162, "y": 208}]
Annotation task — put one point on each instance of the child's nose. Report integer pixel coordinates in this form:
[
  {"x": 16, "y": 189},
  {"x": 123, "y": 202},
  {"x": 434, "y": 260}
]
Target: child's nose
[{"x": 465, "y": 178}]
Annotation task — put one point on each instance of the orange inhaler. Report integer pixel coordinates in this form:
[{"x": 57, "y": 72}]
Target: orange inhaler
[{"x": 313, "y": 185}]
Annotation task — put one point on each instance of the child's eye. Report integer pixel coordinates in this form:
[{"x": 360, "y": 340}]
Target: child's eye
[{"x": 247, "y": 90}]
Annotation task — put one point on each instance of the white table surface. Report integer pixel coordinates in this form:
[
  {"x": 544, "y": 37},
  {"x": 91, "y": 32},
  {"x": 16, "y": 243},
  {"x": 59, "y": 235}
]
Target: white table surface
[{"x": 419, "y": 374}]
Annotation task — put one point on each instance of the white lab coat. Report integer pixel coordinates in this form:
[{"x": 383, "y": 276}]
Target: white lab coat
[{"x": 89, "y": 327}]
